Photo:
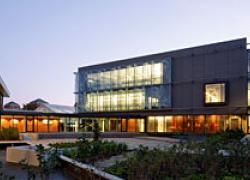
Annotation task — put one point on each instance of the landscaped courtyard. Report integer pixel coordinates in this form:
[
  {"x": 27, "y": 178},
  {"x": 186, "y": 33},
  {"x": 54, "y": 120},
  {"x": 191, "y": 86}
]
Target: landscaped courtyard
[{"x": 222, "y": 156}]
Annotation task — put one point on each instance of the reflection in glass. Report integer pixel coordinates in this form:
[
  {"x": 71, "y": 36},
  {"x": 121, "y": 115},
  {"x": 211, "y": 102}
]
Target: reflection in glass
[
  {"x": 115, "y": 100},
  {"x": 147, "y": 74}
]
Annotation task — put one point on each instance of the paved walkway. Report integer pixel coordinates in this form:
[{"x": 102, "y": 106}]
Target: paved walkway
[{"x": 132, "y": 143}]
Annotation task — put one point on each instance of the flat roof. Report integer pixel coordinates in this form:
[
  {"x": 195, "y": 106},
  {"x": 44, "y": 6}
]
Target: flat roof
[
  {"x": 3, "y": 88},
  {"x": 239, "y": 40}
]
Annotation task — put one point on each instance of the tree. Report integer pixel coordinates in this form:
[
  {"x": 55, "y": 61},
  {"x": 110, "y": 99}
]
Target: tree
[{"x": 30, "y": 106}]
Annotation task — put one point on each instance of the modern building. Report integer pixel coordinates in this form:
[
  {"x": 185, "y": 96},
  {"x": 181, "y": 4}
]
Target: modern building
[
  {"x": 4, "y": 92},
  {"x": 200, "y": 90},
  {"x": 194, "y": 90}
]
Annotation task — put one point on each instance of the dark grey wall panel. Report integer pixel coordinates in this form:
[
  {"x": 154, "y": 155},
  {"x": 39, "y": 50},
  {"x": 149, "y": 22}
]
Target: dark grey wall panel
[{"x": 191, "y": 69}]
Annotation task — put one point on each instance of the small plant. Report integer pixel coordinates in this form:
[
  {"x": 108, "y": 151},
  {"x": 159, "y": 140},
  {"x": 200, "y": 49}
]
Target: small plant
[
  {"x": 96, "y": 131},
  {"x": 91, "y": 151},
  {"x": 48, "y": 160},
  {"x": 9, "y": 134}
]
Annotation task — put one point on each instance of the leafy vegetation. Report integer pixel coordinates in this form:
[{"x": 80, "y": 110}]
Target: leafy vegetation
[
  {"x": 9, "y": 134},
  {"x": 48, "y": 162},
  {"x": 96, "y": 131},
  {"x": 221, "y": 156},
  {"x": 30, "y": 106},
  {"x": 91, "y": 151}
]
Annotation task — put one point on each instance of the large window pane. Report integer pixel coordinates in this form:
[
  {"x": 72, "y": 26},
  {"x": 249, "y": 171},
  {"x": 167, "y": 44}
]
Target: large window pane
[
  {"x": 121, "y": 100},
  {"x": 213, "y": 124},
  {"x": 248, "y": 94},
  {"x": 122, "y": 78},
  {"x": 160, "y": 123},
  {"x": 106, "y": 80},
  {"x": 131, "y": 76},
  {"x": 199, "y": 124},
  {"x": 113, "y": 78},
  {"x": 215, "y": 93},
  {"x": 151, "y": 124},
  {"x": 147, "y": 74},
  {"x": 157, "y": 72},
  {"x": 139, "y": 76},
  {"x": 106, "y": 101},
  {"x": 188, "y": 123},
  {"x": 19, "y": 123}
]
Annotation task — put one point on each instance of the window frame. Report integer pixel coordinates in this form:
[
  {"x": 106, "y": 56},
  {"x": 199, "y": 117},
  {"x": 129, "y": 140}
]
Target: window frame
[{"x": 226, "y": 90}]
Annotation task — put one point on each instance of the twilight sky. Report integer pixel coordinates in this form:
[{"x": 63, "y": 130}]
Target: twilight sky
[{"x": 43, "y": 42}]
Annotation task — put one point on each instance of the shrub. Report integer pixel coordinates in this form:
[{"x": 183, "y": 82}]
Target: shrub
[
  {"x": 96, "y": 131},
  {"x": 91, "y": 151},
  {"x": 9, "y": 134},
  {"x": 190, "y": 160}
]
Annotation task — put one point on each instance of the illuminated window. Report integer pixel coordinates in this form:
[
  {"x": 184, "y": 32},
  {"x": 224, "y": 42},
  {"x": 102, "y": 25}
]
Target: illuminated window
[
  {"x": 215, "y": 93},
  {"x": 106, "y": 101},
  {"x": 106, "y": 80},
  {"x": 136, "y": 99},
  {"x": 131, "y": 76},
  {"x": 248, "y": 94},
  {"x": 157, "y": 70},
  {"x": 147, "y": 74},
  {"x": 113, "y": 101},
  {"x": 138, "y": 75},
  {"x": 113, "y": 78},
  {"x": 122, "y": 78},
  {"x": 93, "y": 81},
  {"x": 121, "y": 100}
]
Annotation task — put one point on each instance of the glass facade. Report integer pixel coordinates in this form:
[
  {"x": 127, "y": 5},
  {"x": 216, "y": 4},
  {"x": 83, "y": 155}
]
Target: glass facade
[
  {"x": 122, "y": 88},
  {"x": 215, "y": 93},
  {"x": 147, "y": 74},
  {"x": 112, "y": 124},
  {"x": 30, "y": 123},
  {"x": 199, "y": 124},
  {"x": 116, "y": 100}
]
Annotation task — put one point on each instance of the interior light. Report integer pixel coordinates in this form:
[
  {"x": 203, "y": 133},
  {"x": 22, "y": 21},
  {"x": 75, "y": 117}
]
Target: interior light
[
  {"x": 45, "y": 121},
  {"x": 15, "y": 121}
]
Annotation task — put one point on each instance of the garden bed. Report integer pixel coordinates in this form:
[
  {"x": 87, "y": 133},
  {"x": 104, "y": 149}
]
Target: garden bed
[
  {"x": 190, "y": 160},
  {"x": 86, "y": 151},
  {"x": 81, "y": 171}
]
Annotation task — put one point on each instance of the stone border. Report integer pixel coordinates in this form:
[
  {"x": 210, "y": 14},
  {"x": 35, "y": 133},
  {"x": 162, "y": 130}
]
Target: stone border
[{"x": 90, "y": 169}]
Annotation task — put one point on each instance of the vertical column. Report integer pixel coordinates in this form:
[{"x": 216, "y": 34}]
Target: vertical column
[
  {"x": 145, "y": 124},
  {"x": 205, "y": 124},
  {"x": 193, "y": 121},
  {"x": 25, "y": 120}
]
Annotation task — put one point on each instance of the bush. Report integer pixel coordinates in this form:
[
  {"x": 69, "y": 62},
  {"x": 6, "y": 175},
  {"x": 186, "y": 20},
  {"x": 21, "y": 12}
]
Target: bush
[
  {"x": 9, "y": 134},
  {"x": 190, "y": 160},
  {"x": 91, "y": 151}
]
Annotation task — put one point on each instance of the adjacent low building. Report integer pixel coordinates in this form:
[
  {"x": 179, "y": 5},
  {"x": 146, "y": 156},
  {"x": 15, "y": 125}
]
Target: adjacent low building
[
  {"x": 201, "y": 90},
  {"x": 4, "y": 92}
]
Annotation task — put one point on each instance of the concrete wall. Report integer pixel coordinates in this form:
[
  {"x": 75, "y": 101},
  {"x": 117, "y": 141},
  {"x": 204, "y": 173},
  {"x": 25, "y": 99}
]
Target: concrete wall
[{"x": 192, "y": 68}]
